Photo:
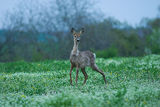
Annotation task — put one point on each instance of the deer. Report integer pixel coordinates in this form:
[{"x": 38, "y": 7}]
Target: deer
[{"x": 82, "y": 59}]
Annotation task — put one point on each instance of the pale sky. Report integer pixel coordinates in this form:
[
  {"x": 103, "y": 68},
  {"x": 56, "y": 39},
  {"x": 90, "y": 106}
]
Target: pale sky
[{"x": 130, "y": 11}]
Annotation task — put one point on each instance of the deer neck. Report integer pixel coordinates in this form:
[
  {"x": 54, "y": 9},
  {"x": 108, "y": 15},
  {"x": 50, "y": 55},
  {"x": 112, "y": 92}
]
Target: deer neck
[{"x": 75, "y": 50}]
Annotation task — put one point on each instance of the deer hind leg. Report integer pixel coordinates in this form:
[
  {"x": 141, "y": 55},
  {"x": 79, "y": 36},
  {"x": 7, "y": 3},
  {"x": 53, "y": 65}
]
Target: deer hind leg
[
  {"x": 77, "y": 71},
  {"x": 85, "y": 75},
  {"x": 94, "y": 67},
  {"x": 71, "y": 74}
]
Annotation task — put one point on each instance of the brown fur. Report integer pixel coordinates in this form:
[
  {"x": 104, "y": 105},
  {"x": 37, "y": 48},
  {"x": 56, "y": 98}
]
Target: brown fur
[{"x": 82, "y": 59}]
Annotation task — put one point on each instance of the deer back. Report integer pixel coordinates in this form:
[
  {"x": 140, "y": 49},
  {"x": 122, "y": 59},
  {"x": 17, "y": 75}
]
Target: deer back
[{"x": 83, "y": 59}]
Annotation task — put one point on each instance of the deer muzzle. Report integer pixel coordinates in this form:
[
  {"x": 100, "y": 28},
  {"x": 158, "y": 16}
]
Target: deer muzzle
[{"x": 78, "y": 39}]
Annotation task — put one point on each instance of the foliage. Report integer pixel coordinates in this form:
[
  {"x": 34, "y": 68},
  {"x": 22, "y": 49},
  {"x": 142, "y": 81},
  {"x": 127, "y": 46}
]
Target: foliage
[
  {"x": 131, "y": 82},
  {"x": 153, "y": 41},
  {"x": 34, "y": 31},
  {"x": 107, "y": 53}
]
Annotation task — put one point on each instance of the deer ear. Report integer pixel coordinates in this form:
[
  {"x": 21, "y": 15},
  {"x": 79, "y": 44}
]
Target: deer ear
[
  {"x": 72, "y": 30},
  {"x": 82, "y": 31}
]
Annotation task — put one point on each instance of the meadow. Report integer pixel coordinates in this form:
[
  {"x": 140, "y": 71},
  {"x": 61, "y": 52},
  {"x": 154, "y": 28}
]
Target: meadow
[{"x": 132, "y": 81}]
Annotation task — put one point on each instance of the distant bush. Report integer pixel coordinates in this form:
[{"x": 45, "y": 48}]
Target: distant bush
[
  {"x": 107, "y": 53},
  {"x": 153, "y": 42}
]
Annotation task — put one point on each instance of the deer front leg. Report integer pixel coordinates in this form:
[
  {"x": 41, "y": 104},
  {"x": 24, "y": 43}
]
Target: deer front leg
[
  {"x": 71, "y": 74},
  {"x": 77, "y": 71}
]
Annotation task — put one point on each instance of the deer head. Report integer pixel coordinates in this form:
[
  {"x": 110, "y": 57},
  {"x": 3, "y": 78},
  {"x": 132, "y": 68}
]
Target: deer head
[{"x": 76, "y": 35}]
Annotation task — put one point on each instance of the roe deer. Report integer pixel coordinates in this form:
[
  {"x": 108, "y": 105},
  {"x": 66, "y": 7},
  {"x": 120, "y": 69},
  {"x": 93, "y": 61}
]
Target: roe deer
[{"x": 80, "y": 60}]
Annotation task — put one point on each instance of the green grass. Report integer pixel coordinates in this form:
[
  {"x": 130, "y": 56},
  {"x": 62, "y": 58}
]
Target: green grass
[{"x": 131, "y": 82}]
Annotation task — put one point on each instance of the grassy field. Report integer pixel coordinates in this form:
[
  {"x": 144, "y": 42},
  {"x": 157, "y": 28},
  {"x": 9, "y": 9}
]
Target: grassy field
[{"x": 131, "y": 82}]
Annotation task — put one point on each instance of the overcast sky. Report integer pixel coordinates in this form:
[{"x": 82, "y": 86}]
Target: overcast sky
[{"x": 131, "y": 11}]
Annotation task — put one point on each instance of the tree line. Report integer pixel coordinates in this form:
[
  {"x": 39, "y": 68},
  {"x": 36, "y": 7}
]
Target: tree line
[{"x": 34, "y": 31}]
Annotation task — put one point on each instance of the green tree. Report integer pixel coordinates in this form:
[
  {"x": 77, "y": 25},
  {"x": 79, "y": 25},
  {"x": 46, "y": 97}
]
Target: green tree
[{"x": 153, "y": 42}]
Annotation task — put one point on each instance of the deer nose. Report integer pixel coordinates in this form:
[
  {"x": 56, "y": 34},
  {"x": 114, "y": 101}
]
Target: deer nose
[{"x": 78, "y": 39}]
